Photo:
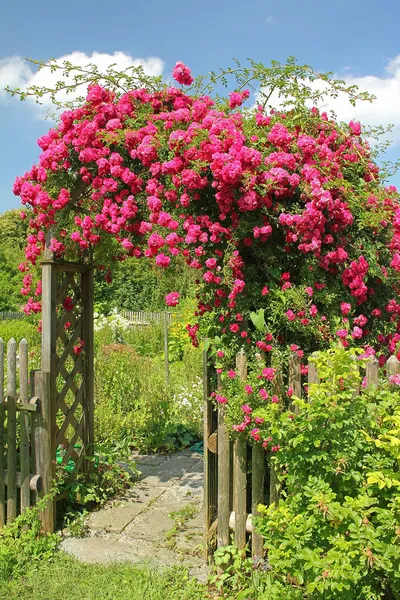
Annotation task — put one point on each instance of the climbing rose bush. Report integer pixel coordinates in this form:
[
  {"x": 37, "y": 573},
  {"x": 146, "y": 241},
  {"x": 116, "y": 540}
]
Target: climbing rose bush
[{"x": 281, "y": 213}]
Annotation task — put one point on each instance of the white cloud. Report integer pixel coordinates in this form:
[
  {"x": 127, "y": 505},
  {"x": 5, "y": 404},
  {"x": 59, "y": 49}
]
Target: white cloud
[
  {"x": 385, "y": 110},
  {"x": 271, "y": 20},
  {"x": 16, "y": 72}
]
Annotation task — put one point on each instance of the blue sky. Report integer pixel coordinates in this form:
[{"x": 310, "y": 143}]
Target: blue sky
[{"x": 357, "y": 39}]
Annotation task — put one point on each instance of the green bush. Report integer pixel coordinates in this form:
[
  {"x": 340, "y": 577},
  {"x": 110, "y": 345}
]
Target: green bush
[
  {"x": 19, "y": 329},
  {"x": 336, "y": 531},
  {"x": 23, "y": 547},
  {"x": 134, "y": 403}
]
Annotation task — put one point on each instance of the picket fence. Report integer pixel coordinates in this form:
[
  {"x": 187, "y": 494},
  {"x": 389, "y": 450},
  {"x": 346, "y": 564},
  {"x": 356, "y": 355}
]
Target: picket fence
[
  {"x": 12, "y": 316},
  {"x": 237, "y": 475},
  {"x": 23, "y": 434},
  {"x": 141, "y": 317}
]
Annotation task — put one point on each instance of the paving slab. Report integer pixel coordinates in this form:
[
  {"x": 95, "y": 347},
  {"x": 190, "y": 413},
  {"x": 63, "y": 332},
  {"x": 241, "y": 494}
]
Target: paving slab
[
  {"x": 134, "y": 527},
  {"x": 152, "y": 526},
  {"x": 106, "y": 551},
  {"x": 153, "y": 460},
  {"x": 115, "y": 517},
  {"x": 170, "y": 471}
]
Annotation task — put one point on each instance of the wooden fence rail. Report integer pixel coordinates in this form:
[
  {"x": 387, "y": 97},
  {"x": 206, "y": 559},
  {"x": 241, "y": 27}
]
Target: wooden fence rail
[
  {"x": 20, "y": 473},
  {"x": 237, "y": 475}
]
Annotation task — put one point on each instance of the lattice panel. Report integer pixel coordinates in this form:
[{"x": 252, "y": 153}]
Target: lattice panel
[{"x": 69, "y": 369}]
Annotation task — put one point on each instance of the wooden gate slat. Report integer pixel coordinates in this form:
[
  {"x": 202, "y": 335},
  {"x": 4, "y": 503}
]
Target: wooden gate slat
[
  {"x": 25, "y": 419},
  {"x": 11, "y": 431}
]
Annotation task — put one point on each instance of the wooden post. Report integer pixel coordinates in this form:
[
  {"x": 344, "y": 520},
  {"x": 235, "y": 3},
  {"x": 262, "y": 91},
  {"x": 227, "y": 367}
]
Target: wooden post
[
  {"x": 210, "y": 458},
  {"x": 49, "y": 342},
  {"x": 45, "y": 459},
  {"x": 11, "y": 431},
  {"x": 372, "y": 371},
  {"x": 25, "y": 420},
  {"x": 166, "y": 350},
  {"x": 88, "y": 373},
  {"x": 240, "y": 470},
  {"x": 257, "y": 495},
  {"x": 2, "y": 415}
]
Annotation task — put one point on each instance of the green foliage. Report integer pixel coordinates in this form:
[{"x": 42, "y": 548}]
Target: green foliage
[
  {"x": 133, "y": 402},
  {"x": 139, "y": 285},
  {"x": 106, "y": 480},
  {"x": 23, "y": 547},
  {"x": 13, "y": 239},
  {"x": 19, "y": 329},
  {"x": 237, "y": 577},
  {"x": 336, "y": 531}
]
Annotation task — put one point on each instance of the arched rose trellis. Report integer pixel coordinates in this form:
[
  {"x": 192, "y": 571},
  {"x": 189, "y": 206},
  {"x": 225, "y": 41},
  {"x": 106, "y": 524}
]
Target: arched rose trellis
[{"x": 282, "y": 214}]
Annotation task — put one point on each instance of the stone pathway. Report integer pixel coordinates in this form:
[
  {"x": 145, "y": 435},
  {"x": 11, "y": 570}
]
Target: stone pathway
[{"x": 159, "y": 519}]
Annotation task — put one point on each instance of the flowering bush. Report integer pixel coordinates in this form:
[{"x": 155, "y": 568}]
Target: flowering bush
[
  {"x": 281, "y": 213},
  {"x": 335, "y": 532}
]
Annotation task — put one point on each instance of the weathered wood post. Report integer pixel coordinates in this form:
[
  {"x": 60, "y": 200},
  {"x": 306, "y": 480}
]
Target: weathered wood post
[
  {"x": 44, "y": 446},
  {"x": 88, "y": 369},
  {"x": 210, "y": 458},
  {"x": 240, "y": 470}
]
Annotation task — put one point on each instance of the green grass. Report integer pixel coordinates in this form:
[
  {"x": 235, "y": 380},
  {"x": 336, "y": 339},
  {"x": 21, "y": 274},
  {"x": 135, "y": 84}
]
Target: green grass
[{"x": 63, "y": 578}]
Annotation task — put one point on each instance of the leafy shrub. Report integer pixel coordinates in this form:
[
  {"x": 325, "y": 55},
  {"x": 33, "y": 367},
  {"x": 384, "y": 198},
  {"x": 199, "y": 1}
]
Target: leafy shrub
[
  {"x": 19, "y": 329},
  {"x": 336, "y": 531},
  {"x": 133, "y": 401},
  {"x": 22, "y": 545}
]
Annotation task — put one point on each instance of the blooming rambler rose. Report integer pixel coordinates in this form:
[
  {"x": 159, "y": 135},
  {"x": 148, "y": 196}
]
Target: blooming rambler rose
[
  {"x": 266, "y": 209},
  {"x": 172, "y": 299},
  {"x": 181, "y": 74}
]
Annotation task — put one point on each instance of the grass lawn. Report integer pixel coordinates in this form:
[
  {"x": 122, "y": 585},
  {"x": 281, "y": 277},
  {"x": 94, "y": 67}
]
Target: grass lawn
[{"x": 63, "y": 578}]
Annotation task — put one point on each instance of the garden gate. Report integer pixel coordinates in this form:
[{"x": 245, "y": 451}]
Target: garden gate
[
  {"x": 57, "y": 414},
  {"x": 237, "y": 476}
]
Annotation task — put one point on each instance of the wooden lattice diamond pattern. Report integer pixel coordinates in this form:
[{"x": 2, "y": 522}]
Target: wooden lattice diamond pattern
[{"x": 69, "y": 401}]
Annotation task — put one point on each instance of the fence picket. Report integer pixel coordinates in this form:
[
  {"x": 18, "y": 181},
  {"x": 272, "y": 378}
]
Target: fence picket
[
  {"x": 312, "y": 372},
  {"x": 223, "y": 480},
  {"x": 240, "y": 470},
  {"x": 392, "y": 366},
  {"x": 25, "y": 420},
  {"x": 372, "y": 371},
  {"x": 257, "y": 494},
  {"x": 295, "y": 377},
  {"x": 11, "y": 431}
]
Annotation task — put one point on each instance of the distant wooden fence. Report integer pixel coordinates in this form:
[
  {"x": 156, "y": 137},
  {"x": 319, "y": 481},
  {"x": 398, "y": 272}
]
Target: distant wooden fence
[
  {"x": 145, "y": 318},
  {"x": 22, "y": 414},
  {"x": 12, "y": 316},
  {"x": 237, "y": 476}
]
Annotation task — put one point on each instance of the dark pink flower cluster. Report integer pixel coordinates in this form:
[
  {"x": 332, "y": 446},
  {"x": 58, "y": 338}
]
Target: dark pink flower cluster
[{"x": 263, "y": 206}]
